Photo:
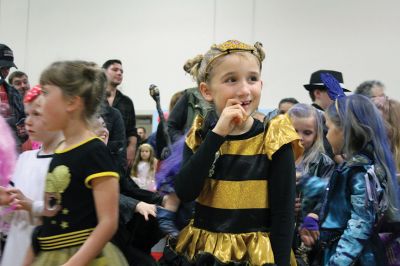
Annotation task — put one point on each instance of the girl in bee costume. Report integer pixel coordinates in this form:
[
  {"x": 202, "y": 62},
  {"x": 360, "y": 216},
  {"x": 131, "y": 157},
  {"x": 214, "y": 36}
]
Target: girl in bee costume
[{"x": 240, "y": 172}]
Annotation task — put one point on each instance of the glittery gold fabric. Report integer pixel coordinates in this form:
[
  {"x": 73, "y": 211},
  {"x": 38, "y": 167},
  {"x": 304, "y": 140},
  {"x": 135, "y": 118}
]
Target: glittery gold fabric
[
  {"x": 250, "y": 146},
  {"x": 254, "y": 247},
  {"x": 234, "y": 45},
  {"x": 214, "y": 194},
  {"x": 242, "y": 194},
  {"x": 230, "y": 46},
  {"x": 193, "y": 139},
  {"x": 280, "y": 132}
]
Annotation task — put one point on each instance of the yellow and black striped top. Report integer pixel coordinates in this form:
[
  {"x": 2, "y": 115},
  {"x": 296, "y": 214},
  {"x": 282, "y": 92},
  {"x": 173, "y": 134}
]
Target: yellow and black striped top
[{"x": 242, "y": 186}]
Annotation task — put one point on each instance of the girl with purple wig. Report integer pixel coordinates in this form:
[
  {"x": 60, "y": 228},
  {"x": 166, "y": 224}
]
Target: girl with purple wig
[{"x": 362, "y": 190}]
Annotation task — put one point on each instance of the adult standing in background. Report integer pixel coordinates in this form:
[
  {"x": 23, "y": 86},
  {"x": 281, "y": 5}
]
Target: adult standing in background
[
  {"x": 19, "y": 80},
  {"x": 321, "y": 100},
  {"x": 317, "y": 90},
  {"x": 371, "y": 89},
  {"x": 115, "y": 98},
  {"x": 142, "y": 134},
  {"x": 11, "y": 107}
]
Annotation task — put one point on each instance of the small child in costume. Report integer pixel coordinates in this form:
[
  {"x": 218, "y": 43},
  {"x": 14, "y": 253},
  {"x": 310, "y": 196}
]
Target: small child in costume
[
  {"x": 240, "y": 172},
  {"x": 29, "y": 178},
  {"x": 363, "y": 188},
  {"x": 144, "y": 168},
  {"x": 313, "y": 169},
  {"x": 81, "y": 189}
]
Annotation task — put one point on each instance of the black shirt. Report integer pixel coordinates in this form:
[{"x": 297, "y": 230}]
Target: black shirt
[
  {"x": 68, "y": 181},
  {"x": 125, "y": 105}
]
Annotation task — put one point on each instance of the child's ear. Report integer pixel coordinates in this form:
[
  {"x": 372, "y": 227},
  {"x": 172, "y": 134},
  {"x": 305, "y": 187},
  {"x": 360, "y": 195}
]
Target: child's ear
[
  {"x": 74, "y": 103},
  {"x": 206, "y": 91}
]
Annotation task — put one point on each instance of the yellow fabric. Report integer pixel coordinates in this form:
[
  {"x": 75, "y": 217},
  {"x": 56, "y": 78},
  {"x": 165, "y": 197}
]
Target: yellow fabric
[
  {"x": 193, "y": 139},
  {"x": 250, "y": 146},
  {"x": 58, "y": 180},
  {"x": 110, "y": 256},
  {"x": 280, "y": 132},
  {"x": 64, "y": 240},
  {"x": 101, "y": 174},
  {"x": 254, "y": 247},
  {"x": 214, "y": 194},
  {"x": 293, "y": 261}
]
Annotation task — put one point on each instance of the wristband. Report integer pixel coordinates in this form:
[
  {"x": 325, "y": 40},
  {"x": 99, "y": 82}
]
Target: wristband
[{"x": 310, "y": 223}]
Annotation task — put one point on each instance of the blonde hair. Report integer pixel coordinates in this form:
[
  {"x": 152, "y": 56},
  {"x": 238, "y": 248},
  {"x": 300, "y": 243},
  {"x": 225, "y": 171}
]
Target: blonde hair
[
  {"x": 200, "y": 67},
  {"x": 390, "y": 109},
  {"x": 78, "y": 78},
  {"x": 313, "y": 153},
  {"x": 152, "y": 160}
]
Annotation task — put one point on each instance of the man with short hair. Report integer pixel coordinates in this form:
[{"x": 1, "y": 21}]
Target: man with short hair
[
  {"x": 142, "y": 134},
  {"x": 11, "y": 106},
  {"x": 19, "y": 80},
  {"x": 371, "y": 89},
  {"x": 317, "y": 90},
  {"x": 115, "y": 98}
]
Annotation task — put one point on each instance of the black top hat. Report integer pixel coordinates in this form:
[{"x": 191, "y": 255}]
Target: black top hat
[
  {"x": 6, "y": 56},
  {"x": 316, "y": 82}
]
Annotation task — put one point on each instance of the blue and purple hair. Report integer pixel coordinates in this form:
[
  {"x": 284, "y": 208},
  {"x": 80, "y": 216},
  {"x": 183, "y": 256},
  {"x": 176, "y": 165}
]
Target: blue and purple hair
[{"x": 363, "y": 125}]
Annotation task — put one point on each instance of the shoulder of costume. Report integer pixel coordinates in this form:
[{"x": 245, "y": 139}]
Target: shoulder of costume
[
  {"x": 194, "y": 138},
  {"x": 280, "y": 131}
]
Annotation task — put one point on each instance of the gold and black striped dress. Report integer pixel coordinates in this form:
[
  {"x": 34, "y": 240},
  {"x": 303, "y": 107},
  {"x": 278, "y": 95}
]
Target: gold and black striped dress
[{"x": 244, "y": 188}]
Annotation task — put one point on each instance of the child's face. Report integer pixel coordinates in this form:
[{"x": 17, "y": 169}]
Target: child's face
[
  {"x": 305, "y": 127},
  {"x": 53, "y": 107},
  {"x": 334, "y": 136},
  {"x": 145, "y": 154},
  {"x": 34, "y": 123},
  {"x": 236, "y": 76}
]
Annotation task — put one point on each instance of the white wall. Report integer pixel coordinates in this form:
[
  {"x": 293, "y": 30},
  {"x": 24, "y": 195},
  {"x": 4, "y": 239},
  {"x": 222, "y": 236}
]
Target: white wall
[{"x": 154, "y": 38}]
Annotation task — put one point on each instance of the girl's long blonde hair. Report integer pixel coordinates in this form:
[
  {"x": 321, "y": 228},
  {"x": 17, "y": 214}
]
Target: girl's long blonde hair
[
  {"x": 302, "y": 110},
  {"x": 152, "y": 160}
]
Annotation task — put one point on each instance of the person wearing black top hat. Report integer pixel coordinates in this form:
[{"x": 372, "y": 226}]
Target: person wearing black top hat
[
  {"x": 318, "y": 91},
  {"x": 11, "y": 106},
  {"x": 320, "y": 98}
]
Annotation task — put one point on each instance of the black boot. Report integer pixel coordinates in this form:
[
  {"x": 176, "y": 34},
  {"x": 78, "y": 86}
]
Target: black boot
[{"x": 166, "y": 222}]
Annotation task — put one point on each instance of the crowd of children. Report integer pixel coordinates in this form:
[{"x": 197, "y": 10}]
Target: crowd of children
[{"x": 235, "y": 190}]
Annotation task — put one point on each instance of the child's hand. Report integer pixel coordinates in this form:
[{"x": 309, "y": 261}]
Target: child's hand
[
  {"x": 309, "y": 232},
  {"x": 146, "y": 209},
  {"x": 232, "y": 116},
  {"x": 20, "y": 202},
  {"x": 5, "y": 197}
]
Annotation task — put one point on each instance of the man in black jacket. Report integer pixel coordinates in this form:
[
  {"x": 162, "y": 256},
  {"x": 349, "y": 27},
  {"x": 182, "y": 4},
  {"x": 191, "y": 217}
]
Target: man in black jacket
[
  {"x": 11, "y": 106},
  {"x": 116, "y": 99}
]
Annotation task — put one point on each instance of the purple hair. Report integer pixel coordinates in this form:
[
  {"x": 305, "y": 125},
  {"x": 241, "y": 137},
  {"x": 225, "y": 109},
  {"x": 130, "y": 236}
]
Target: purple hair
[
  {"x": 363, "y": 125},
  {"x": 8, "y": 154},
  {"x": 170, "y": 167}
]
